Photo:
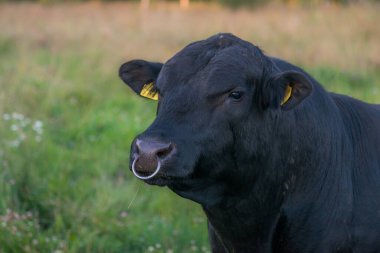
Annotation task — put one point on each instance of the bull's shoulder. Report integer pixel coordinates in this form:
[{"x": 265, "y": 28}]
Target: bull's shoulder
[
  {"x": 347, "y": 103},
  {"x": 362, "y": 123}
]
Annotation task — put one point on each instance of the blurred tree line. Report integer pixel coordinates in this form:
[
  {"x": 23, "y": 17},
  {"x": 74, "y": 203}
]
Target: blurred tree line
[
  {"x": 231, "y": 3},
  {"x": 236, "y": 3}
]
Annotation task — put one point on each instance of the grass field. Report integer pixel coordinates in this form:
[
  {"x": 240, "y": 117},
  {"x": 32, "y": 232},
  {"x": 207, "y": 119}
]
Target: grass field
[{"x": 66, "y": 121}]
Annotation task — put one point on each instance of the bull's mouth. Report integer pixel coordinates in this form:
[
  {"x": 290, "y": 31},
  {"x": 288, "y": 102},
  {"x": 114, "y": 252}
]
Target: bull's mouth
[
  {"x": 174, "y": 182},
  {"x": 203, "y": 190},
  {"x": 159, "y": 181},
  {"x": 179, "y": 183}
]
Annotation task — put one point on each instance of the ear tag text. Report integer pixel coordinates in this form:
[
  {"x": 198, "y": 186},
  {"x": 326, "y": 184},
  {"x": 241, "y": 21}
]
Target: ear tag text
[{"x": 148, "y": 91}]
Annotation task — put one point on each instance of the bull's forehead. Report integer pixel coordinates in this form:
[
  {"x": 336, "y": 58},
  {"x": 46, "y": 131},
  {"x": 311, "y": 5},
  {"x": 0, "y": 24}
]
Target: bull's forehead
[{"x": 210, "y": 64}]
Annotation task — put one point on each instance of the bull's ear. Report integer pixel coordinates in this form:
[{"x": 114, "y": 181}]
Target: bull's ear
[
  {"x": 287, "y": 90},
  {"x": 141, "y": 77}
]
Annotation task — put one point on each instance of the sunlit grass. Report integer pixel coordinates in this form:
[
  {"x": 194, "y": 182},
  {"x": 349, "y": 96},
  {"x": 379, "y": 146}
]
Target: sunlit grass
[{"x": 65, "y": 186}]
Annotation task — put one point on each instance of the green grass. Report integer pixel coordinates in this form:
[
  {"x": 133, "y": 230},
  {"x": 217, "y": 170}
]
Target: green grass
[
  {"x": 364, "y": 85},
  {"x": 67, "y": 121},
  {"x": 72, "y": 190}
]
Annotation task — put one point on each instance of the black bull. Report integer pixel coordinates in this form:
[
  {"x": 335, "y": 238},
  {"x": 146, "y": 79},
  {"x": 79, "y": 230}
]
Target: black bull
[{"x": 277, "y": 163}]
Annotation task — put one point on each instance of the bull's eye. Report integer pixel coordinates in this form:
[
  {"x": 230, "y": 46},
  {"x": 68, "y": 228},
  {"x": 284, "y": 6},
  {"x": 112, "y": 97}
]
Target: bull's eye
[{"x": 236, "y": 95}]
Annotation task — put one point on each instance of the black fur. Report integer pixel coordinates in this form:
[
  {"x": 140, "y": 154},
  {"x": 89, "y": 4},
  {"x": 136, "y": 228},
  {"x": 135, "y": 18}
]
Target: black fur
[{"x": 299, "y": 177}]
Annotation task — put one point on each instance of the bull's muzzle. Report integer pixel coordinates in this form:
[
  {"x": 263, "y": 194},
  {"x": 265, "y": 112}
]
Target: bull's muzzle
[{"x": 148, "y": 157}]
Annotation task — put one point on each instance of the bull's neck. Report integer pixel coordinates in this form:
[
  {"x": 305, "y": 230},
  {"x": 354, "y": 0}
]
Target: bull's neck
[
  {"x": 248, "y": 219},
  {"x": 245, "y": 222}
]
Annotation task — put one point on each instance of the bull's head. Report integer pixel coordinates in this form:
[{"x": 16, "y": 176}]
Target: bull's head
[{"x": 216, "y": 116}]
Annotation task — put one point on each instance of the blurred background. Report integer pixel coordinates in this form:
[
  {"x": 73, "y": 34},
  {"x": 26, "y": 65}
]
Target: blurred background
[{"x": 66, "y": 120}]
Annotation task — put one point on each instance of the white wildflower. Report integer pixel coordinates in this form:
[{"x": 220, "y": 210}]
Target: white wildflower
[
  {"x": 14, "y": 127},
  {"x": 17, "y": 116},
  {"x": 6, "y": 116},
  {"x": 62, "y": 244},
  {"x": 194, "y": 248},
  {"x": 37, "y": 127},
  {"x": 123, "y": 214}
]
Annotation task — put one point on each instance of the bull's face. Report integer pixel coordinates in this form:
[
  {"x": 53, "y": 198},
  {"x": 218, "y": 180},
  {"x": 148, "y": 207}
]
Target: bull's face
[{"x": 212, "y": 99}]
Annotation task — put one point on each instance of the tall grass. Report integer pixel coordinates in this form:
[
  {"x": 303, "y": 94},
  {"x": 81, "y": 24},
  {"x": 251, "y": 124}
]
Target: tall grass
[{"x": 66, "y": 121}]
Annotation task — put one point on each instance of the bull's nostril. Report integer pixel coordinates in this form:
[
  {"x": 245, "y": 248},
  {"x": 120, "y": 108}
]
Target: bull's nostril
[
  {"x": 162, "y": 154},
  {"x": 165, "y": 152}
]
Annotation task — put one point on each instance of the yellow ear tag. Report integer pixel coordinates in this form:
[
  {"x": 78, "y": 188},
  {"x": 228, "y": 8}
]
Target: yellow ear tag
[
  {"x": 288, "y": 93},
  {"x": 149, "y": 92}
]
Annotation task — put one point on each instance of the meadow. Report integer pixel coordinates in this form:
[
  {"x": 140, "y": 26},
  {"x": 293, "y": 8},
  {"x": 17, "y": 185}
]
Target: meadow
[{"x": 67, "y": 121}]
